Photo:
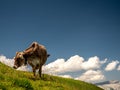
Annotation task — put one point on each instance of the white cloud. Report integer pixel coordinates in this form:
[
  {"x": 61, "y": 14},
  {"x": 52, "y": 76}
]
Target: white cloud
[
  {"x": 92, "y": 63},
  {"x": 73, "y": 64},
  {"x": 111, "y": 66},
  {"x": 53, "y": 67},
  {"x": 104, "y": 61},
  {"x": 91, "y": 76},
  {"x": 65, "y": 76},
  {"x": 25, "y": 68},
  {"x": 61, "y": 66},
  {"x": 118, "y": 68},
  {"x": 9, "y": 62}
]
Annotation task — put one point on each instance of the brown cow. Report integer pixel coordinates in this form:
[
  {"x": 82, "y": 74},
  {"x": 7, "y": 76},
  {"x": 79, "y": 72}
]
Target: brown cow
[{"x": 36, "y": 56}]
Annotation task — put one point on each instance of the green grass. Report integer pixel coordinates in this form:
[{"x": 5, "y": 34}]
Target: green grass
[{"x": 11, "y": 79}]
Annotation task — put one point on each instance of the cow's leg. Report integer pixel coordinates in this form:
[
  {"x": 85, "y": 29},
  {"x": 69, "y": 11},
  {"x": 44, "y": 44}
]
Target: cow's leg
[
  {"x": 34, "y": 71},
  {"x": 40, "y": 70}
]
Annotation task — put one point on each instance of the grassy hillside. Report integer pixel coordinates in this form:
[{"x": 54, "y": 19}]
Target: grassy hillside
[{"x": 11, "y": 79}]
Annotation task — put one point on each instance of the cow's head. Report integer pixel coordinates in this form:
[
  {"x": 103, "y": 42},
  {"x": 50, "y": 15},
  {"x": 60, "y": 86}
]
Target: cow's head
[{"x": 19, "y": 60}]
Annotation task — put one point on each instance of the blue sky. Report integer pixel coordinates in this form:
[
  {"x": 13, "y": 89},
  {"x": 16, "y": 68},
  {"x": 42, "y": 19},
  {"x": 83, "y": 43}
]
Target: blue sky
[{"x": 66, "y": 27}]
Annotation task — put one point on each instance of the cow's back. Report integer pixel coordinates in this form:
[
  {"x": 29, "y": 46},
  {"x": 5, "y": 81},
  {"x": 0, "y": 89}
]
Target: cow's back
[{"x": 40, "y": 55}]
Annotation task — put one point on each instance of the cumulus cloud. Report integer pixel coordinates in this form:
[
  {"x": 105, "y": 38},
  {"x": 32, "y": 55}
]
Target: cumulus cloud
[
  {"x": 53, "y": 67},
  {"x": 91, "y": 76},
  {"x": 104, "y": 61},
  {"x": 61, "y": 66},
  {"x": 73, "y": 64},
  {"x": 77, "y": 64},
  {"x": 111, "y": 66},
  {"x": 66, "y": 76},
  {"x": 92, "y": 63},
  {"x": 6, "y": 61},
  {"x": 25, "y": 68}
]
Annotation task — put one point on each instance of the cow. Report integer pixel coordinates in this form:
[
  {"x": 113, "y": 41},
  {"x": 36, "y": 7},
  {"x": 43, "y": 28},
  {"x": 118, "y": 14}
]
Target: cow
[{"x": 36, "y": 56}]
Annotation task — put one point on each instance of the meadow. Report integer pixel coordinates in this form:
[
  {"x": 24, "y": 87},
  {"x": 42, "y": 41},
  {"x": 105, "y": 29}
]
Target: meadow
[{"x": 11, "y": 79}]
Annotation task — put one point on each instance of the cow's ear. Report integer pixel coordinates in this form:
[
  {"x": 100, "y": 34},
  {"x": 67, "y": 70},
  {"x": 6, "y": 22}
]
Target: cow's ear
[
  {"x": 16, "y": 52},
  {"x": 24, "y": 53}
]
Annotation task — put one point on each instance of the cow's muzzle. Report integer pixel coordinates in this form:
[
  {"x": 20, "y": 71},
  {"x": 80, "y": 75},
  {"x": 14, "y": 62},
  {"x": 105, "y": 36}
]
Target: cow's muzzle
[{"x": 15, "y": 67}]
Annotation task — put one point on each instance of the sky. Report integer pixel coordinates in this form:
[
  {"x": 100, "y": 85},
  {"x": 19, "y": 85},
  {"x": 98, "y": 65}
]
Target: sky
[{"x": 88, "y": 31}]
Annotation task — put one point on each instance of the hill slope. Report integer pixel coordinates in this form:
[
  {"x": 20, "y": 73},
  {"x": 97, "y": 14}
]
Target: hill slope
[{"x": 11, "y": 79}]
